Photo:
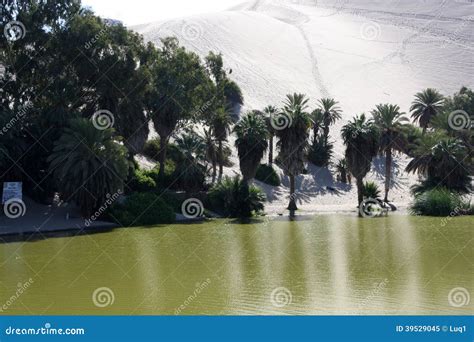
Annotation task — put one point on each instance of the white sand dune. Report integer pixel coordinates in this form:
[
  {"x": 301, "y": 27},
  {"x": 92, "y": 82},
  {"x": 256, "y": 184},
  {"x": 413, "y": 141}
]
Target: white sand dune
[{"x": 358, "y": 51}]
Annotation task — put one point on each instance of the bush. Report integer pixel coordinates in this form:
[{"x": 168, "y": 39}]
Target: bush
[
  {"x": 320, "y": 152},
  {"x": 141, "y": 182},
  {"x": 439, "y": 202},
  {"x": 232, "y": 198},
  {"x": 267, "y": 175},
  {"x": 371, "y": 190},
  {"x": 142, "y": 209},
  {"x": 152, "y": 149}
]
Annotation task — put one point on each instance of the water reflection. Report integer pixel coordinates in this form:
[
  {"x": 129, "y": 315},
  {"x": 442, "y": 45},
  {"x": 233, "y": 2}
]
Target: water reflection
[{"x": 329, "y": 265}]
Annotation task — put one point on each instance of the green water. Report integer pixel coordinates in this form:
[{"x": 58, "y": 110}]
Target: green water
[{"x": 327, "y": 265}]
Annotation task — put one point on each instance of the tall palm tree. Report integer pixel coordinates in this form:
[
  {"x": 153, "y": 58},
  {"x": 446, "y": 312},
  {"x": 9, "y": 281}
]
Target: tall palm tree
[
  {"x": 251, "y": 143},
  {"x": 361, "y": 138},
  {"x": 211, "y": 151},
  {"x": 389, "y": 120},
  {"x": 270, "y": 111},
  {"x": 331, "y": 113},
  {"x": 293, "y": 141},
  {"x": 317, "y": 119},
  {"x": 442, "y": 160},
  {"x": 88, "y": 165},
  {"x": 427, "y": 104},
  {"x": 221, "y": 125}
]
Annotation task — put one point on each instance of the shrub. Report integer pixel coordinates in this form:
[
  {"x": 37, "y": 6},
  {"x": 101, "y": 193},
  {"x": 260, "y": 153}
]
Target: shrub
[
  {"x": 152, "y": 149},
  {"x": 142, "y": 209},
  {"x": 141, "y": 182},
  {"x": 168, "y": 180},
  {"x": 370, "y": 190},
  {"x": 320, "y": 152},
  {"x": 267, "y": 175},
  {"x": 232, "y": 198},
  {"x": 439, "y": 202}
]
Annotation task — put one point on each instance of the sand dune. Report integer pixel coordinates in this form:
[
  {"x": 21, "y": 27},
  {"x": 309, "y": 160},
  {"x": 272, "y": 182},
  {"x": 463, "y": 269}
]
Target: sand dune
[{"x": 360, "y": 52}]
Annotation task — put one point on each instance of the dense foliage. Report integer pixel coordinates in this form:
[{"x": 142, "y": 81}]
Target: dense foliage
[
  {"x": 233, "y": 198},
  {"x": 142, "y": 209},
  {"x": 267, "y": 174},
  {"x": 440, "y": 202}
]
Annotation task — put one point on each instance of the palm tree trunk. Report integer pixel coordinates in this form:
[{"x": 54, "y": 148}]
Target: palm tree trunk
[
  {"x": 315, "y": 131},
  {"x": 270, "y": 151},
  {"x": 292, "y": 205},
  {"x": 360, "y": 196},
  {"x": 214, "y": 171},
  {"x": 326, "y": 134},
  {"x": 220, "y": 160},
  {"x": 162, "y": 156},
  {"x": 388, "y": 172}
]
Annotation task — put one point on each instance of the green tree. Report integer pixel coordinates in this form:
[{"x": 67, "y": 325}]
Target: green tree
[
  {"x": 426, "y": 106},
  {"x": 211, "y": 149},
  {"x": 270, "y": 112},
  {"x": 251, "y": 143},
  {"x": 88, "y": 164},
  {"x": 330, "y": 114},
  {"x": 179, "y": 80},
  {"x": 317, "y": 119},
  {"x": 221, "y": 126},
  {"x": 442, "y": 161},
  {"x": 390, "y": 121},
  {"x": 361, "y": 138},
  {"x": 293, "y": 140}
]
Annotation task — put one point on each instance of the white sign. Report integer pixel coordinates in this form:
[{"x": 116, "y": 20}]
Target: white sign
[{"x": 12, "y": 190}]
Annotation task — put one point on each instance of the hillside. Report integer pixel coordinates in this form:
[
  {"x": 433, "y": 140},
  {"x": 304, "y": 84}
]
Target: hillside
[{"x": 359, "y": 52}]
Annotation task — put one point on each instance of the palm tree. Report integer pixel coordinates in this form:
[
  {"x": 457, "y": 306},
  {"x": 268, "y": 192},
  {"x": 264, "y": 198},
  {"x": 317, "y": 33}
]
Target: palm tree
[
  {"x": 88, "y": 165},
  {"x": 221, "y": 122},
  {"x": 442, "y": 161},
  {"x": 251, "y": 143},
  {"x": 390, "y": 121},
  {"x": 331, "y": 113},
  {"x": 361, "y": 138},
  {"x": 270, "y": 111},
  {"x": 317, "y": 118},
  {"x": 211, "y": 151},
  {"x": 426, "y": 105},
  {"x": 343, "y": 174},
  {"x": 293, "y": 141}
]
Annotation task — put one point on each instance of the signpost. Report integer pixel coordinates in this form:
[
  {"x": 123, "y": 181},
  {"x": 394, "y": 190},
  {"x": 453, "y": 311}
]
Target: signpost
[{"x": 12, "y": 190}]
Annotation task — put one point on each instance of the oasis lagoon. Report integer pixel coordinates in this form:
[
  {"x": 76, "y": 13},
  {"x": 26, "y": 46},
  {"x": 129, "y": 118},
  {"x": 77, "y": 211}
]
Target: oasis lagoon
[{"x": 320, "y": 265}]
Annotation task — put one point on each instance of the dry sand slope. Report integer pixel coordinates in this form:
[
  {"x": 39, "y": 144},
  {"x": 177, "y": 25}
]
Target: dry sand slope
[{"x": 360, "y": 52}]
